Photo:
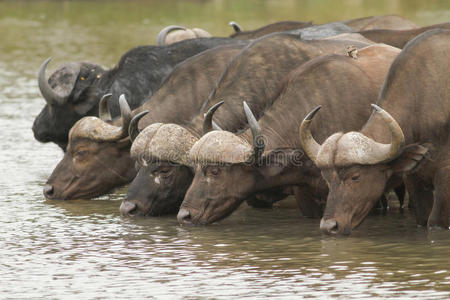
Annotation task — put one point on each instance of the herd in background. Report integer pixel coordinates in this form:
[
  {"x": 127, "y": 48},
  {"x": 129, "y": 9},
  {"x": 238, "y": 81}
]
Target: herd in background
[{"x": 199, "y": 124}]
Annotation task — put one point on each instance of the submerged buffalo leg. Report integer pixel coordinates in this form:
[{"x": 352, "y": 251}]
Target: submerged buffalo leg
[
  {"x": 440, "y": 214},
  {"x": 310, "y": 206},
  {"x": 422, "y": 195}
]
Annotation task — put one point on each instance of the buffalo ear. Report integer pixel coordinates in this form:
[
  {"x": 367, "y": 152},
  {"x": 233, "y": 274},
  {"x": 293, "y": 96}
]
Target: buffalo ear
[
  {"x": 88, "y": 99},
  {"x": 276, "y": 161},
  {"x": 411, "y": 158}
]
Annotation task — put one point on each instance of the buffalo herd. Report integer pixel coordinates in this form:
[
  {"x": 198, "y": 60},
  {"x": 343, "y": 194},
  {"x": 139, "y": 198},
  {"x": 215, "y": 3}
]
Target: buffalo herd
[{"x": 338, "y": 115}]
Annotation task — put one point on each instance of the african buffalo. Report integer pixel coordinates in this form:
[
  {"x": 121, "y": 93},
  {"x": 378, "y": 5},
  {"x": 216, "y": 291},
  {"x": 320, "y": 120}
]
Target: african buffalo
[
  {"x": 366, "y": 23},
  {"x": 173, "y": 33},
  {"x": 74, "y": 90},
  {"x": 380, "y": 22},
  {"x": 267, "y": 29},
  {"x": 307, "y": 31},
  {"x": 97, "y": 157},
  {"x": 406, "y": 135},
  {"x": 256, "y": 74},
  {"x": 232, "y": 167},
  {"x": 398, "y": 38},
  {"x": 321, "y": 31}
]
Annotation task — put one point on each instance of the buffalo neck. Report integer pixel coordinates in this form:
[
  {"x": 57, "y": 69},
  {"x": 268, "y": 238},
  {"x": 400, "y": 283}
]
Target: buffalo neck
[{"x": 411, "y": 93}]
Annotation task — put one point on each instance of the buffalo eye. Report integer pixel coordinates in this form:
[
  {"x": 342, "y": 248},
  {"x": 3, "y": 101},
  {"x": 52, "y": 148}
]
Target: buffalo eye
[
  {"x": 355, "y": 177},
  {"x": 80, "y": 154},
  {"x": 163, "y": 171},
  {"x": 213, "y": 171}
]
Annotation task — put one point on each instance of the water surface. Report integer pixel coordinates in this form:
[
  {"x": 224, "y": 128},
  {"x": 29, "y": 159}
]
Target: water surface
[{"x": 85, "y": 249}]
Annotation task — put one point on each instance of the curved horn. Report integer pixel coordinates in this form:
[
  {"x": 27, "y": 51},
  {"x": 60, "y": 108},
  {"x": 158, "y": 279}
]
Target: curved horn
[
  {"x": 113, "y": 133},
  {"x": 47, "y": 92},
  {"x": 125, "y": 113},
  {"x": 258, "y": 141},
  {"x": 397, "y": 137},
  {"x": 165, "y": 31},
  {"x": 103, "y": 108},
  {"x": 309, "y": 144},
  {"x": 208, "y": 123},
  {"x": 133, "y": 130},
  {"x": 236, "y": 26}
]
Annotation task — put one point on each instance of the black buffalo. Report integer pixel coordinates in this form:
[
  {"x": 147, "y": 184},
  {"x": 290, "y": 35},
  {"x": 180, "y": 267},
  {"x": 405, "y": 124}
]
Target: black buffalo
[{"x": 74, "y": 89}]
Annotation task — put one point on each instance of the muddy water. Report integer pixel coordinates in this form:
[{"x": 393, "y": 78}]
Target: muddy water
[{"x": 85, "y": 249}]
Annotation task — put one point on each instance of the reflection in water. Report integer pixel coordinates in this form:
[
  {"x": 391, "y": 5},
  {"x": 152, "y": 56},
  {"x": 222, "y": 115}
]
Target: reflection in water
[
  {"x": 65, "y": 248},
  {"x": 60, "y": 247}
]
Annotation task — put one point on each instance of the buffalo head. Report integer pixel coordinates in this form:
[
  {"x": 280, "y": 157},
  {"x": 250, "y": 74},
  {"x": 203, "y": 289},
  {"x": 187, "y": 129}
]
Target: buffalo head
[
  {"x": 357, "y": 169},
  {"x": 165, "y": 172},
  {"x": 96, "y": 160},
  {"x": 70, "y": 95},
  {"x": 225, "y": 173}
]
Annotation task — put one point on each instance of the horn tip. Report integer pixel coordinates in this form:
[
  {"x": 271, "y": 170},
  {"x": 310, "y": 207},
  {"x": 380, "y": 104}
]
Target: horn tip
[
  {"x": 106, "y": 97},
  {"x": 219, "y": 104},
  {"x": 376, "y": 107},
  {"x": 247, "y": 109},
  {"x": 208, "y": 123},
  {"x": 236, "y": 26},
  {"x": 312, "y": 113},
  {"x": 123, "y": 100},
  {"x": 141, "y": 114},
  {"x": 214, "y": 108},
  {"x": 44, "y": 65},
  {"x": 124, "y": 106}
]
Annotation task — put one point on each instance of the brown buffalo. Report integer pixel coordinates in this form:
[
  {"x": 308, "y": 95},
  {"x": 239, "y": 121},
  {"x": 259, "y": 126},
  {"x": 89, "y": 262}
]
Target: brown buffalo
[
  {"x": 398, "y": 38},
  {"x": 367, "y": 23},
  {"x": 267, "y": 29},
  {"x": 380, "y": 22},
  {"x": 98, "y": 159},
  {"x": 232, "y": 167},
  {"x": 407, "y": 134},
  {"x": 256, "y": 74}
]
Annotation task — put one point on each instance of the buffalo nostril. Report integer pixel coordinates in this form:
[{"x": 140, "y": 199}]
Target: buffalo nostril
[
  {"x": 127, "y": 207},
  {"x": 48, "y": 190},
  {"x": 328, "y": 226},
  {"x": 184, "y": 216}
]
